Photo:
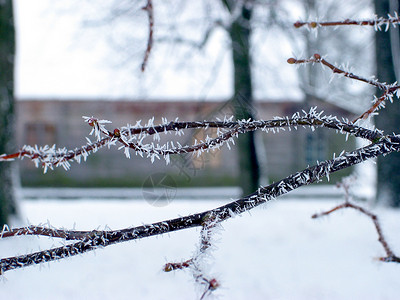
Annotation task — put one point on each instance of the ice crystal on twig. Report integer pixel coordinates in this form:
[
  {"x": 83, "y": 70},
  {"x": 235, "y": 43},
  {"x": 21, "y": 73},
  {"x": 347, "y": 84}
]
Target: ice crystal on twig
[
  {"x": 388, "y": 89},
  {"x": 198, "y": 264},
  {"x": 377, "y": 22},
  {"x": 132, "y": 138}
]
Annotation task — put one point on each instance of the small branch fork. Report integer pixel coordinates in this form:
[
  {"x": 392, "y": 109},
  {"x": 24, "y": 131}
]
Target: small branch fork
[
  {"x": 376, "y": 22},
  {"x": 390, "y": 256},
  {"x": 195, "y": 263},
  {"x": 388, "y": 90}
]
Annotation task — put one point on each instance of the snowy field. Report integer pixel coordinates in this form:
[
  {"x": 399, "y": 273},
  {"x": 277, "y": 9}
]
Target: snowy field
[{"x": 276, "y": 252}]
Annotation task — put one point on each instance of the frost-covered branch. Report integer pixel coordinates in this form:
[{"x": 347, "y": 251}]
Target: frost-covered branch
[
  {"x": 317, "y": 58},
  {"x": 133, "y": 137},
  {"x": 376, "y": 22},
  {"x": 388, "y": 89},
  {"x": 49, "y": 157},
  {"x": 45, "y": 231},
  {"x": 97, "y": 239},
  {"x": 197, "y": 264}
]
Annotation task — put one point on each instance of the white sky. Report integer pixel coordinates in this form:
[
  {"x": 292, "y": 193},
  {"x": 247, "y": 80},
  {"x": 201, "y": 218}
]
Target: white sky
[
  {"x": 49, "y": 63},
  {"x": 57, "y": 57}
]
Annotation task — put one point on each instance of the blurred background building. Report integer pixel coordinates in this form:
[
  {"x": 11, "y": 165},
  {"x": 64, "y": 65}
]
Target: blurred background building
[
  {"x": 60, "y": 122},
  {"x": 80, "y": 58}
]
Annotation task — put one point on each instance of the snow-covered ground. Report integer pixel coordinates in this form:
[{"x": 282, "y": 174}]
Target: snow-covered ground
[{"x": 275, "y": 252}]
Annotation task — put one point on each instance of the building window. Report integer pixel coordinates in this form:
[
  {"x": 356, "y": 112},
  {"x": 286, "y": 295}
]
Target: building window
[
  {"x": 39, "y": 134},
  {"x": 315, "y": 148},
  {"x": 211, "y": 158}
]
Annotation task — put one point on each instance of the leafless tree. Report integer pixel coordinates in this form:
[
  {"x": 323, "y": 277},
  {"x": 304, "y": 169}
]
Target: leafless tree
[{"x": 7, "y": 53}]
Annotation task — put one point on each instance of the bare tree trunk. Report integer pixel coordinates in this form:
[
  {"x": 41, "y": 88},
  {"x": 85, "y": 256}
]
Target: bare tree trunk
[
  {"x": 7, "y": 52},
  {"x": 388, "y": 119},
  {"x": 240, "y": 33}
]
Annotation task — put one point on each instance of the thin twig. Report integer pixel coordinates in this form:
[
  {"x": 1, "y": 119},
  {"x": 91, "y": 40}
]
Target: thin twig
[
  {"x": 49, "y": 157},
  {"x": 44, "y": 231},
  {"x": 130, "y": 137},
  {"x": 377, "y": 22},
  {"x": 149, "y": 9},
  {"x": 388, "y": 93},
  {"x": 317, "y": 58},
  {"x": 390, "y": 256},
  {"x": 194, "y": 263}
]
